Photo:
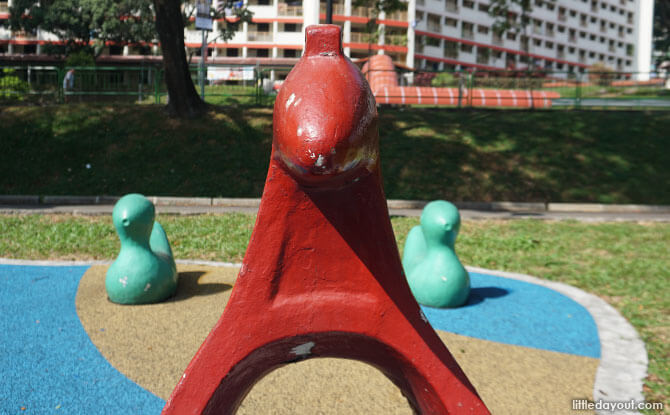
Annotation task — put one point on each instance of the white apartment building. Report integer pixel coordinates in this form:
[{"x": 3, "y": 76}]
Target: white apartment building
[{"x": 561, "y": 35}]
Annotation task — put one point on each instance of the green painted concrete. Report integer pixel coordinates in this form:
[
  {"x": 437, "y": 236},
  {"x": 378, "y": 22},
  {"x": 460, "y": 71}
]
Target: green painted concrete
[
  {"x": 145, "y": 271},
  {"x": 435, "y": 275}
]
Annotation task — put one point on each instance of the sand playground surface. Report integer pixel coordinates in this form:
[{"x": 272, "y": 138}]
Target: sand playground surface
[{"x": 153, "y": 344}]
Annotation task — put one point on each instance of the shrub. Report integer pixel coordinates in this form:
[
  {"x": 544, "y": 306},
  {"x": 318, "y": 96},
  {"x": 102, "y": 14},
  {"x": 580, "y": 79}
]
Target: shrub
[
  {"x": 80, "y": 58},
  {"x": 444, "y": 79},
  {"x": 12, "y": 88},
  {"x": 600, "y": 74}
]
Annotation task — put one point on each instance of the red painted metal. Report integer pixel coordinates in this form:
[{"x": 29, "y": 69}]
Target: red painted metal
[
  {"x": 322, "y": 276},
  {"x": 381, "y": 74}
]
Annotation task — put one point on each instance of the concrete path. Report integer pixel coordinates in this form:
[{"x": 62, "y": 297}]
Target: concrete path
[{"x": 585, "y": 212}]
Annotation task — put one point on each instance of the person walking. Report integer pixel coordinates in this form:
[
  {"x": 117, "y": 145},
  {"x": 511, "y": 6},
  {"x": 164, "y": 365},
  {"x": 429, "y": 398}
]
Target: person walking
[{"x": 68, "y": 84}]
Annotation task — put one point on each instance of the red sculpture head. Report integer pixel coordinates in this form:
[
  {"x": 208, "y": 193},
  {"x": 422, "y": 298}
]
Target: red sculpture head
[{"x": 325, "y": 118}]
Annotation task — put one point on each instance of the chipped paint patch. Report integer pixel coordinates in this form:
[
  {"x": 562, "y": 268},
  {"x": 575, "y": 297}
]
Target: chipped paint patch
[
  {"x": 146, "y": 287},
  {"x": 302, "y": 349},
  {"x": 423, "y": 316},
  {"x": 319, "y": 162},
  {"x": 124, "y": 281}
]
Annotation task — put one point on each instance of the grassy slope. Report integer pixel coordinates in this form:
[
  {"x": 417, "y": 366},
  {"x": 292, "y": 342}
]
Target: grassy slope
[
  {"x": 609, "y": 157},
  {"x": 626, "y": 264}
]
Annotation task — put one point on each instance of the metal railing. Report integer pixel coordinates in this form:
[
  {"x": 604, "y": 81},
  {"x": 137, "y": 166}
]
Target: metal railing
[
  {"x": 47, "y": 84},
  {"x": 255, "y": 85},
  {"x": 524, "y": 89},
  {"x": 284, "y": 9}
]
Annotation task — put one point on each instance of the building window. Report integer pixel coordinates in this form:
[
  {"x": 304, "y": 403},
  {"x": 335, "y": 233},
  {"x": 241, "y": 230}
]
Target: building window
[
  {"x": 483, "y": 55},
  {"x": 432, "y": 41},
  {"x": 467, "y": 30},
  {"x": 451, "y": 50},
  {"x": 434, "y": 22},
  {"x": 231, "y": 53},
  {"x": 292, "y": 27},
  {"x": 468, "y": 4},
  {"x": 466, "y": 48},
  {"x": 484, "y": 30},
  {"x": 290, "y": 53},
  {"x": 448, "y": 21}
]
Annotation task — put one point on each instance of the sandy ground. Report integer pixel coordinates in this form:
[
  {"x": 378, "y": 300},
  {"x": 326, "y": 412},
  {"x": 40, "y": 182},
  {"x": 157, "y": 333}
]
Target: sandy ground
[{"x": 153, "y": 344}]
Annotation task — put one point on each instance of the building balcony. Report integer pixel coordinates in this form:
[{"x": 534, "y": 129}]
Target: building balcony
[
  {"x": 259, "y": 36},
  {"x": 284, "y": 9},
  {"x": 433, "y": 27},
  {"x": 23, "y": 35},
  {"x": 468, "y": 34},
  {"x": 399, "y": 15},
  {"x": 359, "y": 37},
  {"x": 451, "y": 52},
  {"x": 396, "y": 40},
  {"x": 337, "y": 8},
  {"x": 497, "y": 40},
  {"x": 4, "y": 7}
]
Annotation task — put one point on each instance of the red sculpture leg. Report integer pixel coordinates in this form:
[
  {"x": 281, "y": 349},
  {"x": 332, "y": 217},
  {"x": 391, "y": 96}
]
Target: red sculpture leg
[{"x": 322, "y": 276}]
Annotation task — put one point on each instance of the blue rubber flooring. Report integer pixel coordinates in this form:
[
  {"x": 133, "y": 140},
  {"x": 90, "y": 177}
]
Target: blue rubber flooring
[
  {"x": 519, "y": 313},
  {"x": 48, "y": 365}
]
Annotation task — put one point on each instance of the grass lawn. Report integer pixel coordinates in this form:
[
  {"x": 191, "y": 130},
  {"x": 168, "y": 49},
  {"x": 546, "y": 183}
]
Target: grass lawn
[
  {"x": 559, "y": 156},
  {"x": 624, "y": 263}
]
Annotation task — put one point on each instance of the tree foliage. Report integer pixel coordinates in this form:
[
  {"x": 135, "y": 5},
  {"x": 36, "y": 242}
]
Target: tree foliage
[
  {"x": 662, "y": 27},
  {"x": 505, "y": 13},
  {"x": 85, "y": 24}
]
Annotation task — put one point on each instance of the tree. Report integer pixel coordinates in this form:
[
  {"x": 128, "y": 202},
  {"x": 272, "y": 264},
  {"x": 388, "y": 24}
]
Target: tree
[
  {"x": 505, "y": 13},
  {"x": 85, "y": 25},
  {"x": 171, "y": 19},
  {"x": 662, "y": 28},
  {"x": 375, "y": 7}
]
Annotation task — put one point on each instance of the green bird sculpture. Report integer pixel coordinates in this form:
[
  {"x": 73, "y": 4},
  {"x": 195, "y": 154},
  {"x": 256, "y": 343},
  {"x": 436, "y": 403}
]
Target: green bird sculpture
[
  {"x": 145, "y": 271},
  {"x": 435, "y": 275}
]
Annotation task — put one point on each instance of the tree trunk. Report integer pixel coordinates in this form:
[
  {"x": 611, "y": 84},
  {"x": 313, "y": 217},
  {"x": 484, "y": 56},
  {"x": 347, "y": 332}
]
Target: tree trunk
[{"x": 184, "y": 101}]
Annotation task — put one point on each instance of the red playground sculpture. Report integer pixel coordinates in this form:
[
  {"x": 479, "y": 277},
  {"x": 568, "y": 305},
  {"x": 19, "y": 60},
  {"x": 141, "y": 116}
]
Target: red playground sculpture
[{"x": 322, "y": 276}]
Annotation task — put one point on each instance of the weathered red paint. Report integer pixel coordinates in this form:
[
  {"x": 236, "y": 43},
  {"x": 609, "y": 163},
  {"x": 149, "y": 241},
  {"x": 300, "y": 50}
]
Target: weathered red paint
[{"x": 322, "y": 276}]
